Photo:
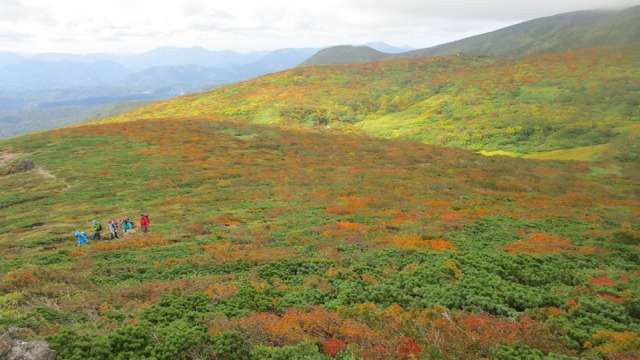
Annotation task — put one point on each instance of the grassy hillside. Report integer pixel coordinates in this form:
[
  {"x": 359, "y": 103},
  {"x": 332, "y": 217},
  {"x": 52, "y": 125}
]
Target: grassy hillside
[
  {"x": 524, "y": 106},
  {"x": 346, "y": 54},
  {"x": 270, "y": 243},
  {"x": 553, "y": 34}
]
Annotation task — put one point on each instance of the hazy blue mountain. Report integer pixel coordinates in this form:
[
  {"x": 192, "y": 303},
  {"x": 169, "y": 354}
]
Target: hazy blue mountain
[
  {"x": 170, "y": 55},
  {"x": 390, "y": 49},
  {"x": 85, "y": 58},
  {"x": 8, "y": 58},
  {"x": 176, "y": 80},
  {"x": 275, "y": 61},
  {"x": 39, "y": 75}
]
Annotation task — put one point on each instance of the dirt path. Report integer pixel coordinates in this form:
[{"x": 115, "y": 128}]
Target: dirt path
[
  {"x": 49, "y": 175},
  {"x": 6, "y": 157}
]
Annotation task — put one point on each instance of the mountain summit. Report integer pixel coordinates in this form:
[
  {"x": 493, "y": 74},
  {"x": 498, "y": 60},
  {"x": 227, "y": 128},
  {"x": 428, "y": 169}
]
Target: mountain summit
[{"x": 553, "y": 34}]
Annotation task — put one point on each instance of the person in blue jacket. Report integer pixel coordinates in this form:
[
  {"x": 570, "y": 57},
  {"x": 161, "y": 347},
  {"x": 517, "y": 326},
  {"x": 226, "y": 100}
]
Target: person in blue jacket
[{"x": 82, "y": 238}]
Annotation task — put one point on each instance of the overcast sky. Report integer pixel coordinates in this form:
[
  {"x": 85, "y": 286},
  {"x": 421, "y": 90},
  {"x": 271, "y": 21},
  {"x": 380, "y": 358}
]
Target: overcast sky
[{"x": 135, "y": 26}]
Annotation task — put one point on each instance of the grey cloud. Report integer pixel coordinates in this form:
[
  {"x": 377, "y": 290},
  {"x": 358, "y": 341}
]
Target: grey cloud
[
  {"x": 12, "y": 37},
  {"x": 496, "y": 10},
  {"x": 14, "y": 11}
]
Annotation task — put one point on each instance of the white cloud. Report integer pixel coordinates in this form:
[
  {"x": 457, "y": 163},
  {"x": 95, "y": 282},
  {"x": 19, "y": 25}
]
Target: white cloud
[{"x": 139, "y": 25}]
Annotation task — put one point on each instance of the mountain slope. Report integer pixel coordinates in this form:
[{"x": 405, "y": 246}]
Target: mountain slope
[
  {"x": 346, "y": 54},
  {"x": 523, "y": 105},
  {"x": 552, "y": 34},
  {"x": 31, "y": 88},
  {"x": 388, "y": 247}
]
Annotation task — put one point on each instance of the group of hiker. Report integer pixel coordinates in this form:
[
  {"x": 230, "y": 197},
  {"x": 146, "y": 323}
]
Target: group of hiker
[{"x": 114, "y": 226}]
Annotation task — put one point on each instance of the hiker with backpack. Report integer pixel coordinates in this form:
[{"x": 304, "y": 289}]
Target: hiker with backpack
[
  {"x": 82, "y": 238},
  {"x": 144, "y": 223},
  {"x": 113, "y": 229},
  {"x": 96, "y": 228},
  {"x": 126, "y": 225}
]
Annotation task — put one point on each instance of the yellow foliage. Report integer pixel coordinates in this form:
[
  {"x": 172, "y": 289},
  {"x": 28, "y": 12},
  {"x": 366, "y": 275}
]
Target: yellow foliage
[
  {"x": 617, "y": 341},
  {"x": 449, "y": 264}
]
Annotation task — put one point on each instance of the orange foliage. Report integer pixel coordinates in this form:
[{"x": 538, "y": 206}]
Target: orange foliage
[
  {"x": 392, "y": 332},
  {"x": 18, "y": 279},
  {"x": 350, "y": 205},
  {"x": 544, "y": 244},
  {"x": 169, "y": 262},
  {"x": 135, "y": 243},
  {"x": 350, "y": 225},
  {"x": 572, "y": 303},
  {"x": 293, "y": 326},
  {"x": 227, "y": 252},
  {"x": 78, "y": 252},
  {"x": 552, "y": 311},
  {"x": 618, "y": 341},
  {"x": 219, "y": 291},
  {"x": 416, "y": 242}
]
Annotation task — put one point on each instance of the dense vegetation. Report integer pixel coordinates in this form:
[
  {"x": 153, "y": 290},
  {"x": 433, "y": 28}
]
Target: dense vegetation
[
  {"x": 280, "y": 244},
  {"x": 587, "y": 101}
]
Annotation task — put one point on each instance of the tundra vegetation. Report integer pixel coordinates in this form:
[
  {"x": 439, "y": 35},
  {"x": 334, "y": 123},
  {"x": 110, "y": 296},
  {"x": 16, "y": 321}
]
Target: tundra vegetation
[{"x": 281, "y": 229}]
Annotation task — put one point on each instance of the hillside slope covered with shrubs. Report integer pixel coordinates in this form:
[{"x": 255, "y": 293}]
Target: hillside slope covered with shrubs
[{"x": 272, "y": 243}]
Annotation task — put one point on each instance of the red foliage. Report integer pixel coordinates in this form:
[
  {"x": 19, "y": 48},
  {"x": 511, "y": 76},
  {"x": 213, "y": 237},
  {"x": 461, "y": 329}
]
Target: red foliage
[
  {"x": 612, "y": 298},
  {"x": 375, "y": 352},
  {"x": 409, "y": 348},
  {"x": 333, "y": 346},
  {"x": 602, "y": 280}
]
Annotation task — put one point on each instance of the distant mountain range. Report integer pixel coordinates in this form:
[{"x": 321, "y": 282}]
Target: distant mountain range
[
  {"x": 551, "y": 34},
  {"x": 44, "y": 91},
  {"x": 76, "y": 85}
]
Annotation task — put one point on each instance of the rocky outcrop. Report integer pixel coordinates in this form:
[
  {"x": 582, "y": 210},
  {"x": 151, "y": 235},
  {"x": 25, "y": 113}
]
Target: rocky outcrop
[
  {"x": 24, "y": 165},
  {"x": 13, "y": 347}
]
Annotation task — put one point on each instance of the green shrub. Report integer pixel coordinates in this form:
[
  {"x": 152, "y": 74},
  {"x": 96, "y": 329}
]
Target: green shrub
[
  {"x": 230, "y": 345},
  {"x": 305, "y": 350},
  {"x": 69, "y": 345}
]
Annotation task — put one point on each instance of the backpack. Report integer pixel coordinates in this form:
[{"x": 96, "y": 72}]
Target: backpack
[{"x": 99, "y": 228}]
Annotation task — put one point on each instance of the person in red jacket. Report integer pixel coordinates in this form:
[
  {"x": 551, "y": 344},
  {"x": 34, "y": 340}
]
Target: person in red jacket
[{"x": 144, "y": 223}]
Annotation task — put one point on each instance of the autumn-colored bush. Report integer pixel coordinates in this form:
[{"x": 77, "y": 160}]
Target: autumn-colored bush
[
  {"x": 333, "y": 346},
  {"x": 545, "y": 244},
  {"x": 416, "y": 242},
  {"x": 137, "y": 242}
]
